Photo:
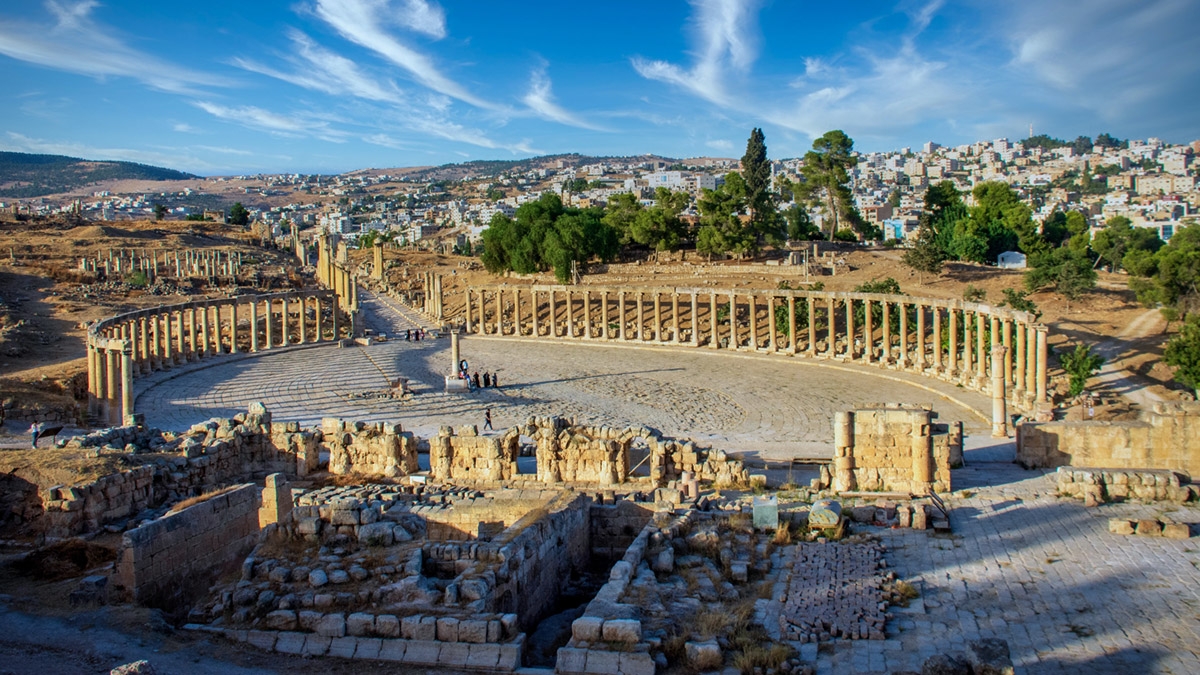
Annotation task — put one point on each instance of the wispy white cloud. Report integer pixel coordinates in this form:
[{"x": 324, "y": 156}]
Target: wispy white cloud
[
  {"x": 720, "y": 144},
  {"x": 184, "y": 128},
  {"x": 301, "y": 125},
  {"x": 319, "y": 69},
  {"x": 76, "y": 43},
  {"x": 726, "y": 36},
  {"x": 366, "y": 23},
  {"x": 541, "y": 101}
]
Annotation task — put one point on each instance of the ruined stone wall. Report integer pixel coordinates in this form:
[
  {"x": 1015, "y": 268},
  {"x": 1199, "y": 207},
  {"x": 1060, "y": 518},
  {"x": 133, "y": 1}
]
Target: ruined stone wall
[
  {"x": 1167, "y": 437},
  {"x": 378, "y": 449},
  {"x": 68, "y": 511},
  {"x": 482, "y": 518},
  {"x": 166, "y": 560},
  {"x": 615, "y": 525},
  {"x": 894, "y": 449}
]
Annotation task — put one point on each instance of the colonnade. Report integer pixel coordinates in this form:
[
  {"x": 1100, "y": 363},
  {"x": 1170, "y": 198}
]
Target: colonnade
[
  {"x": 948, "y": 339},
  {"x": 333, "y": 271},
  {"x": 125, "y": 346}
]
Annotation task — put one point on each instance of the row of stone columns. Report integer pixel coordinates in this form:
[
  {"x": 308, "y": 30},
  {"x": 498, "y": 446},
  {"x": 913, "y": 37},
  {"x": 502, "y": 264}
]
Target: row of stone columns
[
  {"x": 432, "y": 304},
  {"x": 160, "y": 338},
  {"x": 954, "y": 341}
]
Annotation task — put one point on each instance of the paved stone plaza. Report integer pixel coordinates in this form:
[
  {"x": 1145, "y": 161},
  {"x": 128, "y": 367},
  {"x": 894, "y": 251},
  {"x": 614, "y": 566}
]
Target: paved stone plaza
[{"x": 773, "y": 406}]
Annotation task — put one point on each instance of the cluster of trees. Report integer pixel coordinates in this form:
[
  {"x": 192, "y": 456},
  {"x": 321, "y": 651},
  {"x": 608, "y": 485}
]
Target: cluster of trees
[
  {"x": 545, "y": 235},
  {"x": 1081, "y": 145}
]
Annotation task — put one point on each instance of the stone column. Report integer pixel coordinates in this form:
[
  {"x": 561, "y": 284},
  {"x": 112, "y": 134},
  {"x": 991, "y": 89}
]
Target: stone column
[
  {"x": 180, "y": 341},
  {"x": 886, "y": 357},
  {"x": 733, "y": 331},
  {"x": 195, "y": 351},
  {"x": 752, "y": 302},
  {"x": 999, "y": 394},
  {"x": 233, "y": 333},
  {"x": 1020, "y": 364},
  {"x": 952, "y": 352},
  {"x": 467, "y": 293},
  {"x": 714, "y": 328},
  {"x": 903, "y": 310},
  {"x": 377, "y": 270},
  {"x": 968, "y": 346},
  {"x": 168, "y": 339},
  {"x": 937, "y": 338},
  {"x": 92, "y": 377},
  {"x": 921, "y": 362},
  {"x": 695, "y": 322},
  {"x": 791, "y": 310},
  {"x": 922, "y": 452},
  {"x": 284, "y": 321},
  {"x": 334, "y": 306},
  {"x": 605, "y": 331},
  {"x": 500, "y": 309},
  {"x": 303, "y": 300},
  {"x": 127, "y": 384},
  {"x": 621, "y": 332},
  {"x": 641, "y": 317},
  {"x": 849, "y": 328},
  {"x": 868, "y": 333},
  {"x": 831, "y": 331},
  {"x": 204, "y": 341},
  {"x": 319, "y": 328},
  {"x": 454, "y": 352},
  {"x": 812, "y": 326},
  {"x": 658, "y": 323},
  {"x": 1042, "y": 355},
  {"x": 843, "y": 448},
  {"x": 981, "y": 346},
  {"x": 156, "y": 360},
  {"x": 270, "y": 333},
  {"x": 112, "y": 378},
  {"x": 570, "y": 312},
  {"x": 587, "y": 314},
  {"x": 254, "y": 324},
  {"x": 675, "y": 317},
  {"x": 141, "y": 353},
  {"x": 553, "y": 314},
  {"x": 536, "y": 314},
  {"x": 771, "y": 332},
  {"x": 1006, "y": 340}
]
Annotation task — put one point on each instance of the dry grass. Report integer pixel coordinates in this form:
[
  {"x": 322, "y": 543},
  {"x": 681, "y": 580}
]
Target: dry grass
[
  {"x": 783, "y": 535},
  {"x": 200, "y": 499},
  {"x": 759, "y": 657}
]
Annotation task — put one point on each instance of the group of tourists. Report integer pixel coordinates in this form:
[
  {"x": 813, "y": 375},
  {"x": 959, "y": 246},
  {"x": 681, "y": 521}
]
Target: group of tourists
[{"x": 414, "y": 334}]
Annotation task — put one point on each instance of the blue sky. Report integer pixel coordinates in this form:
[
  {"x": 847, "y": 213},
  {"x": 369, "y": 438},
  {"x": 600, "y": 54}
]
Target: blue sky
[{"x": 217, "y": 86}]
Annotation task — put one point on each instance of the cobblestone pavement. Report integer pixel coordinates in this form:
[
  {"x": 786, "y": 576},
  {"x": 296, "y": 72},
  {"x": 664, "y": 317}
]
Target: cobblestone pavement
[
  {"x": 1044, "y": 574},
  {"x": 762, "y": 405}
]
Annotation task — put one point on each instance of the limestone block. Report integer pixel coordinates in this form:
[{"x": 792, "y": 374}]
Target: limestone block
[
  {"x": 343, "y": 647},
  {"x": 571, "y": 660},
  {"x": 309, "y": 619},
  {"x": 426, "y": 629},
  {"x": 603, "y": 662},
  {"x": 332, "y": 625},
  {"x": 454, "y": 654},
  {"x": 636, "y": 663},
  {"x": 368, "y": 648},
  {"x": 587, "y": 628},
  {"x": 263, "y": 639},
  {"x": 1176, "y": 531},
  {"x": 703, "y": 655},
  {"x": 1149, "y": 528},
  {"x": 408, "y": 627},
  {"x": 422, "y": 652},
  {"x": 318, "y": 578},
  {"x": 447, "y": 629},
  {"x": 376, "y": 534},
  {"x": 472, "y": 630},
  {"x": 392, "y": 650},
  {"x": 316, "y": 645},
  {"x": 664, "y": 562},
  {"x": 281, "y": 619},
  {"x": 622, "y": 630},
  {"x": 360, "y": 624},
  {"x": 290, "y": 643},
  {"x": 387, "y": 625},
  {"x": 1120, "y": 526},
  {"x": 484, "y": 656}
]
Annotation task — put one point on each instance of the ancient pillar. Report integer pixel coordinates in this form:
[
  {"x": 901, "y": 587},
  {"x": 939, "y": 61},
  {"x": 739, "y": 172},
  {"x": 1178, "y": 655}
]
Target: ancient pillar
[
  {"x": 953, "y": 337},
  {"x": 771, "y": 332},
  {"x": 156, "y": 360},
  {"x": 270, "y": 335},
  {"x": 127, "y": 384},
  {"x": 1020, "y": 364},
  {"x": 377, "y": 271},
  {"x": 454, "y": 353},
  {"x": 621, "y": 333},
  {"x": 968, "y": 346},
  {"x": 714, "y": 328},
  {"x": 999, "y": 394},
  {"x": 812, "y": 325},
  {"x": 303, "y": 300},
  {"x": 195, "y": 351},
  {"x": 112, "y": 377},
  {"x": 831, "y": 331},
  {"x": 921, "y": 362},
  {"x": 204, "y": 341},
  {"x": 334, "y": 307},
  {"x": 1042, "y": 355},
  {"x": 254, "y": 324},
  {"x": 467, "y": 293},
  {"x": 733, "y": 331},
  {"x": 233, "y": 320},
  {"x": 641, "y": 317},
  {"x": 553, "y": 314},
  {"x": 284, "y": 317},
  {"x": 791, "y": 310},
  {"x": 753, "y": 306},
  {"x": 536, "y": 315},
  {"x": 570, "y": 311},
  {"x": 500, "y": 309},
  {"x": 587, "y": 314},
  {"x": 1006, "y": 340},
  {"x": 319, "y": 329},
  {"x": 168, "y": 355},
  {"x": 92, "y": 378},
  {"x": 886, "y": 357},
  {"x": 605, "y": 331},
  {"x": 658, "y": 325},
  {"x": 922, "y": 452},
  {"x": 142, "y": 349},
  {"x": 695, "y": 321},
  {"x": 849, "y": 302},
  {"x": 675, "y": 317},
  {"x": 903, "y": 310},
  {"x": 180, "y": 343},
  {"x": 843, "y": 448},
  {"x": 936, "y": 313},
  {"x": 981, "y": 346}
]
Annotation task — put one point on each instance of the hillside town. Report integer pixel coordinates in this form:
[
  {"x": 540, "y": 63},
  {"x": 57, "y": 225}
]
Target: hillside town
[{"x": 1151, "y": 182}]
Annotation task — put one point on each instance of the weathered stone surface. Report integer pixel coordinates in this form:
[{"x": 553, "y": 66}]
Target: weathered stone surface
[
  {"x": 447, "y": 629},
  {"x": 368, "y": 648},
  {"x": 332, "y": 625},
  {"x": 360, "y": 624},
  {"x": 1176, "y": 530},
  {"x": 571, "y": 660},
  {"x": 664, "y": 562},
  {"x": 636, "y": 663},
  {"x": 941, "y": 664},
  {"x": 142, "y": 667},
  {"x": 603, "y": 662},
  {"x": 472, "y": 630},
  {"x": 393, "y": 650},
  {"x": 454, "y": 654},
  {"x": 263, "y": 639},
  {"x": 587, "y": 628},
  {"x": 422, "y": 652},
  {"x": 318, "y": 578},
  {"x": 1149, "y": 528},
  {"x": 316, "y": 645},
  {"x": 622, "y": 630},
  {"x": 281, "y": 619},
  {"x": 484, "y": 656},
  {"x": 1120, "y": 526},
  {"x": 703, "y": 655},
  {"x": 387, "y": 625},
  {"x": 377, "y": 534},
  {"x": 290, "y": 643},
  {"x": 989, "y": 656},
  {"x": 343, "y": 647}
]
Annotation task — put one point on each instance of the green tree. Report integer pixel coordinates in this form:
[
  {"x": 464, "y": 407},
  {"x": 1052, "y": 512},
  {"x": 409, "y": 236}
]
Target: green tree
[
  {"x": 800, "y": 226},
  {"x": 544, "y": 235},
  {"x": 160, "y": 212},
  {"x": 925, "y": 255},
  {"x": 826, "y": 173},
  {"x": 1080, "y": 364},
  {"x": 659, "y": 226},
  {"x": 756, "y": 173},
  {"x": 1174, "y": 275},
  {"x": 238, "y": 215},
  {"x": 620, "y": 214},
  {"x": 577, "y": 185},
  {"x": 1019, "y": 300},
  {"x": 1183, "y": 352},
  {"x": 1119, "y": 238},
  {"x": 1063, "y": 270},
  {"x": 973, "y": 293},
  {"x": 720, "y": 214},
  {"x": 894, "y": 199},
  {"x": 495, "y": 194}
]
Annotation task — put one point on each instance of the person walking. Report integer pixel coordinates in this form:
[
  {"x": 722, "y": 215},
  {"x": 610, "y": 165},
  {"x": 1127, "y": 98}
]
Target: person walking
[
  {"x": 477, "y": 379},
  {"x": 487, "y": 419},
  {"x": 495, "y": 380},
  {"x": 34, "y": 430},
  {"x": 487, "y": 379}
]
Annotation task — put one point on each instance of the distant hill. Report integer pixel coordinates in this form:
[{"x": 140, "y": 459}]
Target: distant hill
[
  {"x": 481, "y": 168},
  {"x": 24, "y": 175}
]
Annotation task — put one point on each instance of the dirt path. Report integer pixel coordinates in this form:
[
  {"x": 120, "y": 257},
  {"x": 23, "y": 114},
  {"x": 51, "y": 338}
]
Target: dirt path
[{"x": 1113, "y": 375}]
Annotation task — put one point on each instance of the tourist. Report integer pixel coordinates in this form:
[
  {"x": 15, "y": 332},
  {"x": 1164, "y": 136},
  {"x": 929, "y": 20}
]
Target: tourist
[
  {"x": 495, "y": 380},
  {"x": 34, "y": 430},
  {"x": 487, "y": 419},
  {"x": 408, "y": 335},
  {"x": 487, "y": 379},
  {"x": 477, "y": 380}
]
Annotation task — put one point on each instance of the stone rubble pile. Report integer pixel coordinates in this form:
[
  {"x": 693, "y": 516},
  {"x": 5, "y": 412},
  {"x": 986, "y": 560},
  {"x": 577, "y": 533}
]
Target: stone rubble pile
[{"x": 1096, "y": 486}]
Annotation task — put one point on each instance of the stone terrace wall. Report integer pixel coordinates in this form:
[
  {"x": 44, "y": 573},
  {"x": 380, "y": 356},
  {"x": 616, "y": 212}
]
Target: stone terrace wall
[
  {"x": 894, "y": 449},
  {"x": 1167, "y": 437},
  {"x": 68, "y": 511},
  {"x": 616, "y": 524},
  {"x": 470, "y": 519},
  {"x": 166, "y": 560},
  {"x": 378, "y": 449}
]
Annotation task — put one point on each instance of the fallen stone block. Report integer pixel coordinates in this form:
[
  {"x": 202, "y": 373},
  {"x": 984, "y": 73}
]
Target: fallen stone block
[
  {"x": 622, "y": 630},
  {"x": 703, "y": 655},
  {"x": 281, "y": 619},
  {"x": 1149, "y": 528},
  {"x": 1176, "y": 530},
  {"x": 1120, "y": 526},
  {"x": 587, "y": 628}
]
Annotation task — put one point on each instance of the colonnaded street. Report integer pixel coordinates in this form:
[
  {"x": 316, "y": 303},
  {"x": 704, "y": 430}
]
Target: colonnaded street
[{"x": 757, "y": 405}]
